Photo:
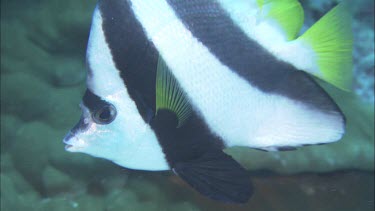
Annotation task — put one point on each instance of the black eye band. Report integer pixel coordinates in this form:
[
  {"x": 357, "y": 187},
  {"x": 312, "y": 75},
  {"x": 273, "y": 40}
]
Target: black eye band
[
  {"x": 92, "y": 101},
  {"x": 101, "y": 111}
]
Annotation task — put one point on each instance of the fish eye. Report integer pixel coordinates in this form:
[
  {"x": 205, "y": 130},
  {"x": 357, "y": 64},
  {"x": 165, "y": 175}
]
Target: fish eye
[{"x": 105, "y": 114}]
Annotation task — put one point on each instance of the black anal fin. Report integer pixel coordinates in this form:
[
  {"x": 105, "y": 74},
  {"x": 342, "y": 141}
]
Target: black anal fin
[{"x": 217, "y": 176}]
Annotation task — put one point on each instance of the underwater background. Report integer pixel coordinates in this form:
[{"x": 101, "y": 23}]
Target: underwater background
[{"x": 43, "y": 44}]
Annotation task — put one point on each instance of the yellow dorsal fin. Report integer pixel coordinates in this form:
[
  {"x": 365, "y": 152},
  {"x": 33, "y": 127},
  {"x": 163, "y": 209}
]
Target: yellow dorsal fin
[{"x": 288, "y": 14}]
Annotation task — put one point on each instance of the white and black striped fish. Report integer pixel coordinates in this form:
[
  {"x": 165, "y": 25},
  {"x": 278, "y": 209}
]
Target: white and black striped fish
[{"x": 172, "y": 82}]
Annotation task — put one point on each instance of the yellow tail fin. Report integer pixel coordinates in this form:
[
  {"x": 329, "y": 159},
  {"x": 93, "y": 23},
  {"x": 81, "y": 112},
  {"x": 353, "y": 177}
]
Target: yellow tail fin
[{"x": 331, "y": 40}]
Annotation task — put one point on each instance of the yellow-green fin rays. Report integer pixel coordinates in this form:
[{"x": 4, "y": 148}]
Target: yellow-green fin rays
[
  {"x": 169, "y": 95},
  {"x": 331, "y": 40},
  {"x": 287, "y": 13}
]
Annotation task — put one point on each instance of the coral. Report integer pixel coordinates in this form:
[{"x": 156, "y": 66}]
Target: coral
[{"x": 56, "y": 181}]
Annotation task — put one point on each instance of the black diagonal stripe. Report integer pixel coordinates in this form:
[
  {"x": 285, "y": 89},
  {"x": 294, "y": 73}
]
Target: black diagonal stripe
[
  {"x": 136, "y": 58},
  {"x": 134, "y": 55},
  {"x": 213, "y": 27}
]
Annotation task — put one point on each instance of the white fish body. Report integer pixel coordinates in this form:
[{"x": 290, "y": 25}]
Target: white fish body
[
  {"x": 236, "y": 110},
  {"x": 171, "y": 83}
]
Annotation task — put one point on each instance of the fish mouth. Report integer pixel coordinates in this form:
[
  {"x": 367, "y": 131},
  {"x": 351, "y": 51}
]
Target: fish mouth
[
  {"x": 68, "y": 147},
  {"x": 72, "y": 148},
  {"x": 69, "y": 141}
]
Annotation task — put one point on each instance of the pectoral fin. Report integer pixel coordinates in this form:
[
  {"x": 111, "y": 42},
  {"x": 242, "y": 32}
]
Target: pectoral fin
[{"x": 169, "y": 94}]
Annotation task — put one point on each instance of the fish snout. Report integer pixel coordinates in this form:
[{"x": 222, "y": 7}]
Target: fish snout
[
  {"x": 72, "y": 143},
  {"x": 68, "y": 136},
  {"x": 67, "y": 141}
]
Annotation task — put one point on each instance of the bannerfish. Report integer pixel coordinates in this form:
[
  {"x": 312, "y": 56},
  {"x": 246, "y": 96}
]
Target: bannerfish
[{"x": 172, "y": 83}]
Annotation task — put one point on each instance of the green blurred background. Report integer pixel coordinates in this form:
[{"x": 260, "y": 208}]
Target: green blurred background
[{"x": 43, "y": 79}]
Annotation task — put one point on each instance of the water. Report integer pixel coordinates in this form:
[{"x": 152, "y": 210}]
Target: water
[{"x": 42, "y": 81}]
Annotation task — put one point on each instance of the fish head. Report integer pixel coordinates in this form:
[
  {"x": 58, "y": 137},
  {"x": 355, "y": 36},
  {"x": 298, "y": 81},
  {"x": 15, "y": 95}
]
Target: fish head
[
  {"x": 111, "y": 128},
  {"x": 95, "y": 131},
  {"x": 111, "y": 125}
]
